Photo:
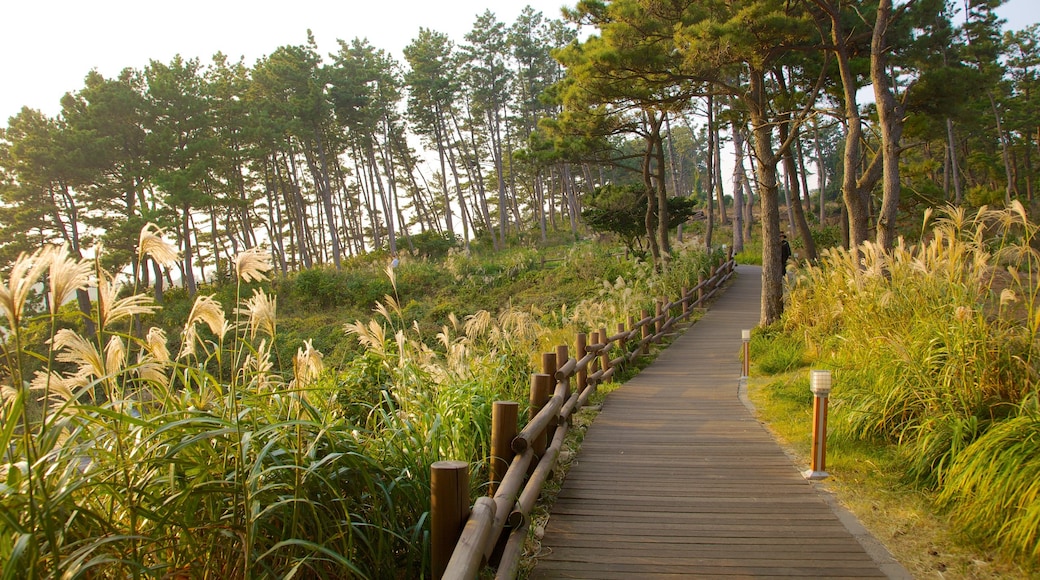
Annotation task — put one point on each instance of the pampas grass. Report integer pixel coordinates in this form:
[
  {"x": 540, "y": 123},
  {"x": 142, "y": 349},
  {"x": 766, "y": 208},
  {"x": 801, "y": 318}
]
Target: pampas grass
[
  {"x": 216, "y": 462},
  {"x": 934, "y": 346}
]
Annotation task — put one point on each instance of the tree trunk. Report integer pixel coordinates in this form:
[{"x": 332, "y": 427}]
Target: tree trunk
[
  {"x": 954, "y": 173},
  {"x": 648, "y": 186},
  {"x": 890, "y": 117},
  {"x": 821, "y": 168},
  {"x": 738, "y": 188},
  {"x": 794, "y": 199},
  {"x": 189, "y": 271},
  {"x": 713, "y": 126},
  {"x": 1008, "y": 173},
  {"x": 772, "y": 304}
]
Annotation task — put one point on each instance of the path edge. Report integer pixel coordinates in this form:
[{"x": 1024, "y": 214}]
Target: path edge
[{"x": 877, "y": 550}]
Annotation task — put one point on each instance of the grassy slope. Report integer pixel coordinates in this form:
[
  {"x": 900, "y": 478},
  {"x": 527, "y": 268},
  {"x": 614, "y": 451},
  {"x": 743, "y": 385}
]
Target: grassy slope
[{"x": 867, "y": 479}]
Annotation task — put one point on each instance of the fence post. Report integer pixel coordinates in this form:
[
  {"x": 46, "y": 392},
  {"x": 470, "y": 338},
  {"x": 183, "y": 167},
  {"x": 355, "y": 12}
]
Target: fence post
[
  {"x": 820, "y": 384},
  {"x": 604, "y": 355},
  {"x": 658, "y": 320},
  {"x": 562, "y": 357},
  {"x": 549, "y": 368},
  {"x": 449, "y": 508},
  {"x": 700, "y": 290},
  {"x": 541, "y": 390},
  {"x": 503, "y": 431},
  {"x": 644, "y": 333},
  {"x": 685, "y": 302},
  {"x": 549, "y": 363},
  {"x": 581, "y": 348}
]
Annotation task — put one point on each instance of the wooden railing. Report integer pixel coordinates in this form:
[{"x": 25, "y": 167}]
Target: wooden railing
[{"x": 492, "y": 531}]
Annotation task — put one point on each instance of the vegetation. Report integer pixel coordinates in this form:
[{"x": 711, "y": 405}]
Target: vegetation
[
  {"x": 124, "y": 445},
  {"x": 934, "y": 347},
  {"x": 124, "y": 457}
]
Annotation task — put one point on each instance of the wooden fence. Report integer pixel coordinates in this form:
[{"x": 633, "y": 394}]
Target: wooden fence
[{"x": 492, "y": 531}]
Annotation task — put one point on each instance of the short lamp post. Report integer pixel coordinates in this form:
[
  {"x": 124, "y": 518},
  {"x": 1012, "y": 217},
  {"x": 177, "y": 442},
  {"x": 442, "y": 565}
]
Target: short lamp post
[
  {"x": 820, "y": 384},
  {"x": 745, "y": 338}
]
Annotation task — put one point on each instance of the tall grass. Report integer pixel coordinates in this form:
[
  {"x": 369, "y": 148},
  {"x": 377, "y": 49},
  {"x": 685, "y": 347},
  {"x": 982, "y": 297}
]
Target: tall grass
[
  {"x": 121, "y": 458},
  {"x": 935, "y": 346}
]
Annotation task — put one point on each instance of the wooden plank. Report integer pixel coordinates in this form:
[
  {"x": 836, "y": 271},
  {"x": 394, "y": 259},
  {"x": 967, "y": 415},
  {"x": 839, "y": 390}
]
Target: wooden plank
[{"x": 675, "y": 479}]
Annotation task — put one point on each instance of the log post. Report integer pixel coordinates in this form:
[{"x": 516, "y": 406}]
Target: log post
[
  {"x": 549, "y": 368},
  {"x": 700, "y": 290},
  {"x": 645, "y": 333},
  {"x": 658, "y": 319},
  {"x": 541, "y": 390},
  {"x": 449, "y": 509},
  {"x": 685, "y": 302},
  {"x": 562, "y": 357},
  {"x": 549, "y": 363},
  {"x": 604, "y": 355},
  {"x": 581, "y": 345},
  {"x": 503, "y": 431}
]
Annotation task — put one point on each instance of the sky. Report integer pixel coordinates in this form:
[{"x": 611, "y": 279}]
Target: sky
[{"x": 47, "y": 47}]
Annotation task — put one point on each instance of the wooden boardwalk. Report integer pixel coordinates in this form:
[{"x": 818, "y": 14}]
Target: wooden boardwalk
[{"x": 676, "y": 479}]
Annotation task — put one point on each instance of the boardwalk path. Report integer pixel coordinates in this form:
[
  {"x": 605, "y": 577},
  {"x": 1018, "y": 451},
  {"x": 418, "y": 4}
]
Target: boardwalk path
[{"x": 676, "y": 479}]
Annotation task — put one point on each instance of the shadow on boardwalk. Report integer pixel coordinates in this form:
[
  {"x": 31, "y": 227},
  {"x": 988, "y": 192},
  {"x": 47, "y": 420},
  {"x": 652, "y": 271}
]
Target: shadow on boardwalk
[{"x": 675, "y": 478}]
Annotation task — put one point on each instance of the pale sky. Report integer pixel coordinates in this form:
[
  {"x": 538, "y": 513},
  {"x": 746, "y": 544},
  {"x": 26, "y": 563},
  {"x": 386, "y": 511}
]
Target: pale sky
[{"x": 48, "y": 46}]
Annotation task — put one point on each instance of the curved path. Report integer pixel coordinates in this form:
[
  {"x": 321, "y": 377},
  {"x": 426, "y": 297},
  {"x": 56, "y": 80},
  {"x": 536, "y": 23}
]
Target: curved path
[{"x": 676, "y": 478}]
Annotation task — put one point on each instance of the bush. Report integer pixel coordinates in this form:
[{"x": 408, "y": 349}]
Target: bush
[{"x": 434, "y": 245}]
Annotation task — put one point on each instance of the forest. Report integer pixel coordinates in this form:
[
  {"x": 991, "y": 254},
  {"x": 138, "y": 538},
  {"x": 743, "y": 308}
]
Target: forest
[
  {"x": 317, "y": 158},
  {"x": 185, "y": 195}
]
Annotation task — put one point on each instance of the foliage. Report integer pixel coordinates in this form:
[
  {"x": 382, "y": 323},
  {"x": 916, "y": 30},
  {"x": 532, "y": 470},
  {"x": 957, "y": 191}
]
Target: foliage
[
  {"x": 934, "y": 346},
  {"x": 622, "y": 210},
  {"x": 222, "y": 457},
  {"x": 431, "y": 244}
]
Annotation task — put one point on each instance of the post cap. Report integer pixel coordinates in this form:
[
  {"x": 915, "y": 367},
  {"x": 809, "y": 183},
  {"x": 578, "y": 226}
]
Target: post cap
[{"x": 820, "y": 382}]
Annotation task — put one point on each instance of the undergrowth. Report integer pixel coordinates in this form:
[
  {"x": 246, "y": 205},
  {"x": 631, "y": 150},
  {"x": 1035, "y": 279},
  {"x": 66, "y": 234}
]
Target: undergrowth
[
  {"x": 933, "y": 347},
  {"x": 228, "y": 445}
]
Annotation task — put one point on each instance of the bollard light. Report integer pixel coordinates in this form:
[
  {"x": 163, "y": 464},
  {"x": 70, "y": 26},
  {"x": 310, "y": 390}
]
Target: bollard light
[
  {"x": 820, "y": 385},
  {"x": 745, "y": 337}
]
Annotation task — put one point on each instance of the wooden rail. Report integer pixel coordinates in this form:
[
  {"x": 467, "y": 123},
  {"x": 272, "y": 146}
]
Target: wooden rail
[{"x": 464, "y": 539}]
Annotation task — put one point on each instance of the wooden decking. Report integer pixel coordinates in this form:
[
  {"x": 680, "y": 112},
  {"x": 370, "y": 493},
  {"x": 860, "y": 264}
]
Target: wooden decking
[{"x": 676, "y": 479}]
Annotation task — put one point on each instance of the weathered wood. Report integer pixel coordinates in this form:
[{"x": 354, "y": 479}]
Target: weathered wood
[
  {"x": 644, "y": 330},
  {"x": 509, "y": 566},
  {"x": 541, "y": 384},
  {"x": 505, "y": 497},
  {"x": 604, "y": 353},
  {"x": 468, "y": 557},
  {"x": 549, "y": 363},
  {"x": 449, "y": 508},
  {"x": 504, "y": 415},
  {"x": 533, "y": 489},
  {"x": 659, "y": 318},
  {"x": 543, "y": 422},
  {"x": 581, "y": 351},
  {"x": 565, "y": 372}
]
